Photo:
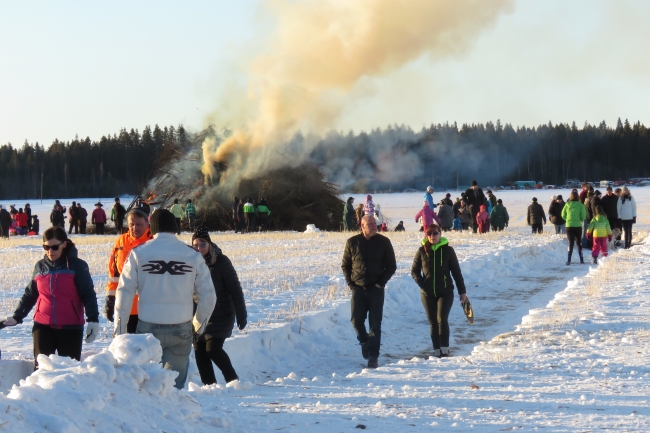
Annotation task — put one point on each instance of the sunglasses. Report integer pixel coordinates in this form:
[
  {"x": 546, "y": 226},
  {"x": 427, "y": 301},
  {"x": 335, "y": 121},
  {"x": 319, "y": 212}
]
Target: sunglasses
[
  {"x": 200, "y": 245},
  {"x": 52, "y": 247},
  {"x": 433, "y": 233}
]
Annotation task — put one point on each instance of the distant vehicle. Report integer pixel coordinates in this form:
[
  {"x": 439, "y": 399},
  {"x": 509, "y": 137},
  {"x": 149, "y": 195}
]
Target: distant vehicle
[
  {"x": 606, "y": 183},
  {"x": 620, "y": 182},
  {"x": 643, "y": 183},
  {"x": 410, "y": 190},
  {"x": 525, "y": 184},
  {"x": 551, "y": 187}
]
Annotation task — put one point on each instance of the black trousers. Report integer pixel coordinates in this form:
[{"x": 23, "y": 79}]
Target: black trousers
[
  {"x": 250, "y": 222},
  {"x": 82, "y": 227},
  {"x": 474, "y": 222},
  {"x": 119, "y": 224},
  {"x": 178, "y": 226},
  {"x": 4, "y": 231},
  {"x": 574, "y": 234},
  {"x": 627, "y": 230},
  {"x": 132, "y": 324},
  {"x": 368, "y": 303},
  {"x": 211, "y": 350},
  {"x": 65, "y": 342},
  {"x": 538, "y": 228},
  {"x": 99, "y": 228},
  {"x": 74, "y": 223},
  {"x": 437, "y": 309},
  {"x": 261, "y": 222}
]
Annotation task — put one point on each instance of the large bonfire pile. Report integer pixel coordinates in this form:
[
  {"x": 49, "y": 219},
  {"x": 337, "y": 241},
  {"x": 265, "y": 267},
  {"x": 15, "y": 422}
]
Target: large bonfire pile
[{"x": 296, "y": 196}]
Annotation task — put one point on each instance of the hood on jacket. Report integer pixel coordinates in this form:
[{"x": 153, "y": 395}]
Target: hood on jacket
[
  {"x": 425, "y": 204},
  {"x": 483, "y": 208},
  {"x": 368, "y": 197},
  {"x": 442, "y": 243}
]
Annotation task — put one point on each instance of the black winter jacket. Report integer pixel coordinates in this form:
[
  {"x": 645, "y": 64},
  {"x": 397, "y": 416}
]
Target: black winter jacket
[
  {"x": 5, "y": 218},
  {"x": 474, "y": 200},
  {"x": 367, "y": 262},
  {"x": 432, "y": 270},
  {"x": 230, "y": 297},
  {"x": 555, "y": 213},
  {"x": 455, "y": 208},
  {"x": 593, "y": 204},
  {"x": 609, "y": 203},
  {"x": 536, "y": 214}
]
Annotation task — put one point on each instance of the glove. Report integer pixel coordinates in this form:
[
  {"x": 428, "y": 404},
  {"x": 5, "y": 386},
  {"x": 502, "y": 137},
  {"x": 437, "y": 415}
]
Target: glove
[
  {"x": 609, "y": 238},
  {"x": 92, "y": 329},
  {"x": 241, "y": 323},
  {"x": 10, "y": 322},
  {"x": 109, "y": 310},
  {"x": 633, "y": 220},
  {"x": 506, "y": 224}
]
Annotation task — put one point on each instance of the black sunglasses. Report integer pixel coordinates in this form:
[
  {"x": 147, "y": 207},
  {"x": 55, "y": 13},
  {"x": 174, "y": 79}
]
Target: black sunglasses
[
  {"x": 200, "y": 245},
  {"x": 52, "y": 247},
  {"x": 433, "y": 233}
]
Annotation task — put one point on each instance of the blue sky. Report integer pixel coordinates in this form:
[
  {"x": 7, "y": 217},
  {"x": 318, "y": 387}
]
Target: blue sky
[{"x": 88, "y": 68}]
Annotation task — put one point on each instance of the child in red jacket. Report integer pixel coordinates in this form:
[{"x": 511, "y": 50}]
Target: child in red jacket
[{"x": 483, "y": 220}]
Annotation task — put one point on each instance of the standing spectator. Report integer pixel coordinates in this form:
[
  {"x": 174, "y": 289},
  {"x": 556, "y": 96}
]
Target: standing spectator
[
  {"x": 455, "y": 208},
  {"x": 492, "y": 199},
  {"x": 448, "y": 201},
  {"x": 21, "y": 222},
  {"x": 584, "y": 192},
  {"x": 167, "y": 276},
  {"x": 458, "y": 225},
  {"x": 536, "y": 216},
  {"x": 586, "y": 243},
  {"x": 28, "y": 211},
  {"x": 428, "y": 197},
  {"x": 117, "y": 215},
  {"x": 177, "y": 211},
  {"x": 465, "y": 215},
  {"x": 609, "y": 202},
  {"x": 36, "y": 225},
  {"x": 619, "y": 223},
  {"x": 230, "y": 305},
  {"x": 595, "y": 202},
  {"x": 57, "y": 216},
  {"x": 82, "y": 214},
  {"x": 574, "y": 214},
  {"x": 5, "y": 222},
  {"x": 349, "y": 217},
  {"x": 13, "y": 211},
  {"x": 483, "y": 220},
  {"x": 400, "y": 227},
  {"x": 263, "y": 214},
  {"x": 434, "y": 265},
  {"x": 601, "y": 232},
  {"x": 445, "y": 215},
  {"x": 474, "y": 198},
  {"x": 241, "y": 219},
  {"x": 72, "y": 221},
  {"x": 190, "y": 213},
  {"x": 249, "y": 215},
  {"x": 379, "y": 216},
  {"x": 61, "y": 288},
  {"x": 359, "y": 212},
  {"x": 499, "y": 216},
  {"x": 368, "y": 263},
  {"x": 138, "y": 234},
  {"x": 425, "y": 216},
  {"x": 99, "y": 218},
  {"x": 369, "y": 206},
  {"x": 555, "y": 214},
  {"x": 234, "y": 205},
  {"x": 626, "y": 209}
]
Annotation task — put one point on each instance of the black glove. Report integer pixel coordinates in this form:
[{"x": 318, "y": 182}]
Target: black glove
[
  {"x": 506, "y": 224},
  {"x": 241, "y": 323},
  {"x": 633, "y": 220},
  {"x": 109, "y": 310}
]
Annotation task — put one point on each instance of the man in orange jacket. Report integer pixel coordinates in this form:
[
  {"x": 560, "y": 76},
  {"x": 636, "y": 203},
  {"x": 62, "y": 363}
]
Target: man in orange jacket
[{"x": 138, "y": 234}]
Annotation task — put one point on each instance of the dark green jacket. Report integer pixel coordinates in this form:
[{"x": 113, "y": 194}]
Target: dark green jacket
[
  {"x": 499, "y": 216},
  {"x": 432, "y": 270},
  {"x": 349, "y": 217}
]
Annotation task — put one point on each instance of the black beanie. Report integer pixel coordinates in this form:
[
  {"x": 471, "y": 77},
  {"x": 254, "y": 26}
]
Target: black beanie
[
  {"x": 201, "y": 232},
  {"x": 474, "y": 183},
  {"x": 163, "y": 221}
]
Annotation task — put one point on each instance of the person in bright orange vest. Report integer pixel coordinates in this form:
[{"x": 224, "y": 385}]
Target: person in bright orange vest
[{"x": 138, "y": 234}]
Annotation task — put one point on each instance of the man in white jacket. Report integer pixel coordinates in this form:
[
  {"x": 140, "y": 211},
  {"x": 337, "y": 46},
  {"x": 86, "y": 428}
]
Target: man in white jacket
[{"x": 166, "y": 274}]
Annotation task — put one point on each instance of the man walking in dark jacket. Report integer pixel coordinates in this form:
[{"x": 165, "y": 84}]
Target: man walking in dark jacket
[
  {"x": 536, "y": 216},
  {"x": 609, "y": 202},
  {"x": 73, "y": 221},
  {"x": 368, "y": 263},
  {"x": 5, "y": 222},
  {"x": 475, "y": 198}
]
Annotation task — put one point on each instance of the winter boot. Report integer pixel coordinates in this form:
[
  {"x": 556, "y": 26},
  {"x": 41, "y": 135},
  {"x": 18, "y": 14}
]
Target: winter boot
[
  {"x": 444, "y": 352},
  {"x": 437, "y": 353},
  {"x": 568, "y": 260},
  {"x": 582, "y": 261},
  {"x": 372, "y": 363},
  {"x": 594, "y": 260},
  {"x": 364, "y": 350}
]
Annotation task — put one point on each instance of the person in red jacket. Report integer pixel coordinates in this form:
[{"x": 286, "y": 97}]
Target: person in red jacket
[
  {"x": 483, "y": 220},
  {"x": 21, "y": 222},
  {"x": 99, "y": 219}
]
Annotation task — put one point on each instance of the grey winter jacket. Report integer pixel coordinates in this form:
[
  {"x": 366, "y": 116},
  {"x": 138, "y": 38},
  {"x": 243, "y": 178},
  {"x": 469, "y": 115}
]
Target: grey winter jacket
[{"x": 446, "y": 215}]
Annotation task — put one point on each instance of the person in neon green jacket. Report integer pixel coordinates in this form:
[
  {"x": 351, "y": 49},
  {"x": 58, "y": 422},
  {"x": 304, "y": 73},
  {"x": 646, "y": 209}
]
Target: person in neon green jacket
[
  {"x": 249, "y": 215},
  {"x": 601, "y": 231},
  {"x": 574, "y": 213},
  {"x": 179, "y": 213},
  {"x": 263, "y": 213}
]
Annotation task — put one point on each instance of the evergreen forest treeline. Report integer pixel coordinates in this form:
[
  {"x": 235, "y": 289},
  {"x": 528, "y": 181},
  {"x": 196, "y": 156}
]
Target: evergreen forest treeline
[
  {"x": 116, "y": 164},
  {"x": 393, "y": 158}
]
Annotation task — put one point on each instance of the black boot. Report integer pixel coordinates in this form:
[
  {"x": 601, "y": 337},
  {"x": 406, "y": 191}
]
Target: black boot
[
  {"x": 372, "y": 363},
  {"x": 568, "y": 260},
  {"x": 595, "y": 260},
  {"x": 582, "y": 261},
  {"x": 364, "y": 350}
]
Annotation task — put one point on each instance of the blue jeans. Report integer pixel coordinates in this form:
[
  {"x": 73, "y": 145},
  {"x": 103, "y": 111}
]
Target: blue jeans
[
  {"x": 560, "y": 229},
  {"x": 176, "y": 343}
]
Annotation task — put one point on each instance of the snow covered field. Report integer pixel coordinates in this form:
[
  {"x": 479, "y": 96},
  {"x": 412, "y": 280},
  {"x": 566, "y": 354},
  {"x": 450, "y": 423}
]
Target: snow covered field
[{"x": 553, "y": 348}]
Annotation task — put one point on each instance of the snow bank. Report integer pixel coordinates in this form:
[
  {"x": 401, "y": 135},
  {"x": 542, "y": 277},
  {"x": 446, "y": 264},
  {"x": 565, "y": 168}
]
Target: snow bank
[{"x": 123, "y": 388}]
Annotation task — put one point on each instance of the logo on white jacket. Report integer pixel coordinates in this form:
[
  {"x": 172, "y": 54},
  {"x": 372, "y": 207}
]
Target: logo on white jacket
[{"x": 159, "y": 267}]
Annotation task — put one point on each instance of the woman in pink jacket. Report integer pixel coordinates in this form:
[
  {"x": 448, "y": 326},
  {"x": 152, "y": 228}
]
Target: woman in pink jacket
[{"x": 428, "y": 216}]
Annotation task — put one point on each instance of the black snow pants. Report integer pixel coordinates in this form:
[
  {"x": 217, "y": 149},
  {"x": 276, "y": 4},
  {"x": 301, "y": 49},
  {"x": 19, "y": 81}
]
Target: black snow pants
[
  {"x": 368, "y": 303},
  {"x": 65, "y": 342},
  {"x": 211, "y": 350},
  {"x": 437, "y": 309}
]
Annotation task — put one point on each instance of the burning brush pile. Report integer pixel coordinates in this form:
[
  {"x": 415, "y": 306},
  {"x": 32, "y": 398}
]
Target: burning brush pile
[{"x": 296, "y": 196}]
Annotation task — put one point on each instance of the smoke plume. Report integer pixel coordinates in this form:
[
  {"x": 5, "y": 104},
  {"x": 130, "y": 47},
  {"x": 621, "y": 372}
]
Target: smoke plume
[{"x": 316, "y": 59}]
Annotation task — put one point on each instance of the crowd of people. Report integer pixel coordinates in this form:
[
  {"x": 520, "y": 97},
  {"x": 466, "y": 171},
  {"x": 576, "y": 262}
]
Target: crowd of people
[
  {"x": 248, "y": 216},
  {"x": 18, "y": 222}
]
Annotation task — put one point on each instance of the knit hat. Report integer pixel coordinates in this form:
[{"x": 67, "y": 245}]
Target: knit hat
[
  {"x": 163, "y": 221},
  {"x": 534, "y": 198},
  {"x": 474, "y": 183},
  {"x": 559, "y": 197},
  {"x": 448, "y": 195},
  {"x": 201, "y": 232},
  {"x": 553, "y": 197}
]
